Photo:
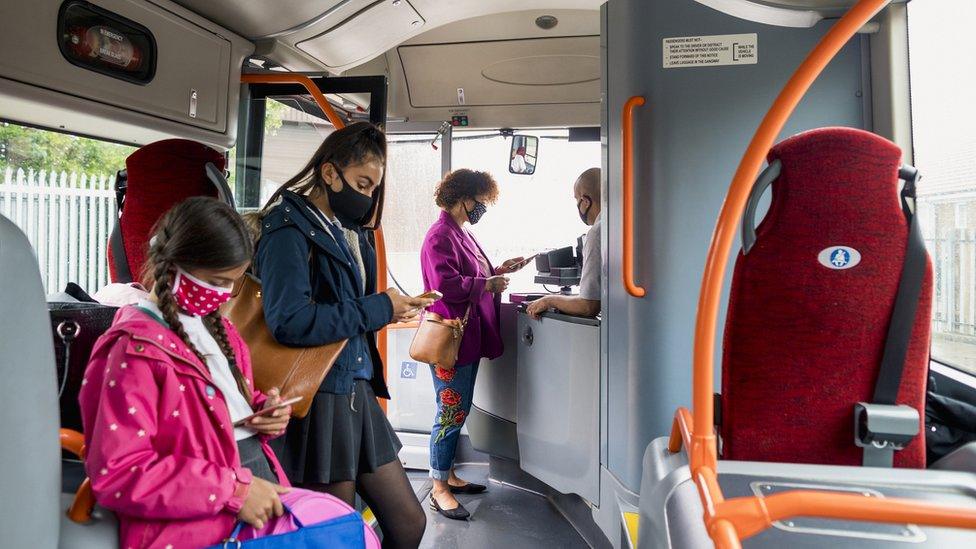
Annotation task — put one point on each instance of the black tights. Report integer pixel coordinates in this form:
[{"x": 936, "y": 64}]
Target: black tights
[{"x": 389, "y": 494}]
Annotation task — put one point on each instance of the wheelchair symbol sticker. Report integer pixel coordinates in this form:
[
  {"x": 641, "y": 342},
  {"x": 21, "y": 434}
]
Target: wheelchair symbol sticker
[
  {"x": 408, "y": 370},
  {"x": 839, "y": 258}
]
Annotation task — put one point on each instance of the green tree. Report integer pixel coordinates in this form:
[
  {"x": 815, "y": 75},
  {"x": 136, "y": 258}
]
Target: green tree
[{"x": 35, "y": 149}]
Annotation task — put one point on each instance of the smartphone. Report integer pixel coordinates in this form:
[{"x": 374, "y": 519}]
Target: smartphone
[
  {"x": 433, "y": 294},
  {"x": 268, "y": 410},
  {"x": 524, "y": 262}
]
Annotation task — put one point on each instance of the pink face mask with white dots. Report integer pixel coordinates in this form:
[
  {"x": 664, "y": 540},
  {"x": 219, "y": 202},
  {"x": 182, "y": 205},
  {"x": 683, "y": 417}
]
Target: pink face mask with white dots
[{"x": 196, "y": 296}]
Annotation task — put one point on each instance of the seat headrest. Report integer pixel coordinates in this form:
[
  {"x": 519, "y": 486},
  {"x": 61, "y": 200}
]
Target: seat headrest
[
  {"x": 837, "y": 173},
  {"x": 30, "y": 454}
]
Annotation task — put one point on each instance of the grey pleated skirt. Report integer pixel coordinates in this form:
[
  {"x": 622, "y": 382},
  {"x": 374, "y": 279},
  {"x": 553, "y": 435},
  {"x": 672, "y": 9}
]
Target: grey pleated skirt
[
  {"x": 339, "y": 439},
  {"x": 252, "y": 457}
]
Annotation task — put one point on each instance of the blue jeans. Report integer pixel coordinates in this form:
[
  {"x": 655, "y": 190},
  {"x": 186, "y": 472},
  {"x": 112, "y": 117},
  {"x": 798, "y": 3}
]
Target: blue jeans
[{"x": 454, "y": 390}]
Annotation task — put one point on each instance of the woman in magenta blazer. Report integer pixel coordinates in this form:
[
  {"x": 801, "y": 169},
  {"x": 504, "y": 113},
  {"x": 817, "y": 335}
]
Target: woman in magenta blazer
[{"x": 454, "y": 264}]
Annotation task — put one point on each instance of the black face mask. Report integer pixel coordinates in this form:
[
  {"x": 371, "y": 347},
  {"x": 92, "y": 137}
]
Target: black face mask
[
  {"x": 584, "y": 214},
  {"x": 348, "y": 202},
  {"x": 475, "y": 213}
]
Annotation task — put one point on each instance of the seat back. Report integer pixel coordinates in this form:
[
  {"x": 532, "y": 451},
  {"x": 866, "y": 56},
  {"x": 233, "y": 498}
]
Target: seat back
[
  {"x": 806, "y": 329},
  {"x": 30, "y": 475},
  {"x": 159, "y": 176}
]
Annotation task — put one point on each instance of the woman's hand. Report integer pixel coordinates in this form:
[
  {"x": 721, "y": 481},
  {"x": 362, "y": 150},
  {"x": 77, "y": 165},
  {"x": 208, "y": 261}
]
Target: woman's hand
[
  {"x": 496, "y": 284},
  {"x": 274, "y": 423},
  {"x": 510, "y": 266},
  {"x": 406, "y": 308},
  {"x": 262, "y": 503}
]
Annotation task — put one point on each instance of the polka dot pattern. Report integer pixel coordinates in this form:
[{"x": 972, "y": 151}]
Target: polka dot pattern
[{"x": 196, "y": 297}]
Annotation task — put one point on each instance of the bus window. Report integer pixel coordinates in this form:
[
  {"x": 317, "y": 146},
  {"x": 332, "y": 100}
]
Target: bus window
[
  {"x": 291, "y": 135},
  {"x": 59, "y": 189},
  {"x": 413, "y": 170},
  {"x": 534, "y": 212},
  {"x": 943, "y": 122}
]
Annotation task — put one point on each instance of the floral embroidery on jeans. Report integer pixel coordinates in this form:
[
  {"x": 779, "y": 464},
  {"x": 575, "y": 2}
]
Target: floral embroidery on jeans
[
  {"x": 445, "y": 375},
  {"x": 451, "y": 415}
]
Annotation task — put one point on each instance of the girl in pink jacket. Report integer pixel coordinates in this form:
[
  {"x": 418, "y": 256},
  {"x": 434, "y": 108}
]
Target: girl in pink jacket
[{"x": 163, "y": 391}]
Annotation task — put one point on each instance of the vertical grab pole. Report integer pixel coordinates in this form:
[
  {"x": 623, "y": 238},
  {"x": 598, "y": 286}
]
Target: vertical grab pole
[
  {"x": 703, "y": 452},
  {"x": 381, "y": 284},
  {"x": 628, "y": 197}
]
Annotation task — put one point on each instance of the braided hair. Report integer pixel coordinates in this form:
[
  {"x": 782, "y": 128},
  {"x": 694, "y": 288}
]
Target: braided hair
[{"x": 198, "y": 233}]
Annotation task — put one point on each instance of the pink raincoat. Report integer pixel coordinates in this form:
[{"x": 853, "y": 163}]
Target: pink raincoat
[{"x": 160, "y": 444}]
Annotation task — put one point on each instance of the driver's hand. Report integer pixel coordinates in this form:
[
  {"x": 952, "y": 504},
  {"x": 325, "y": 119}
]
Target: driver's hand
[{"x": 537, "y": 307}]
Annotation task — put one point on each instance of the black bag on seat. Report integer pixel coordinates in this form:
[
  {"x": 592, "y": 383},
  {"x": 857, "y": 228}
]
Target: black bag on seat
[
  {"x": 949, "y": 421},
  {"x": 75, "y": 327}
]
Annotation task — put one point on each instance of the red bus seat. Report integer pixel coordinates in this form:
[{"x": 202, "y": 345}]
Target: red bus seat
[
  {"x": 158, "y": 176},
  {"x": 807, "y": 325}
]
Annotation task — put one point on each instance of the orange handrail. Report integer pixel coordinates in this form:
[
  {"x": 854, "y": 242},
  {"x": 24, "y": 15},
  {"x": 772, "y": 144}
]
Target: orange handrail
[
  {"x": 381, "y": 284},
  {"x": 291, "y": 78},
  {"x": 72, "y": 441},
  {"x": 84, "y": 501},
  {"x": 732, "y": 208},
  {"x": 627, "y": 125},
  {"x": 729, "y": 521}
]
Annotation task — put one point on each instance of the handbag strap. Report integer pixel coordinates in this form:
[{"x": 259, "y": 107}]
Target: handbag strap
[{"x": 67, "y": 331}]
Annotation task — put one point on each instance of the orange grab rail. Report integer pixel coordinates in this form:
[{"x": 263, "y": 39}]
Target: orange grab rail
[
  {"x": 84, "y": 501},
  {"x": 729, "y": 521},
  {"x": 381, "y": 282},
  {"x": 287, "y": 78},
  {"x": 72, "y": 441},
  {"x": 628, "y": 199}
]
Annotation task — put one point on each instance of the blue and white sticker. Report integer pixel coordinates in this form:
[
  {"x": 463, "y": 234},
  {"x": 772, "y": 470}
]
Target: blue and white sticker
[
  {"x": 839, "y": 258},
  {"x": 408, "y": 370}
]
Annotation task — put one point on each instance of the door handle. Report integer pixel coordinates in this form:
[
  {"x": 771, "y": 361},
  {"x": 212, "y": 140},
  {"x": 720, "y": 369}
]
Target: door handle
[
  {"x": 630, "y": 284},
  {"x": 528, "y": 337}
]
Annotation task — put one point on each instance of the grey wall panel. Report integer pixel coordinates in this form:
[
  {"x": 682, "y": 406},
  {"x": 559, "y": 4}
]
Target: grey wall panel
[
  {"x": 495, "y": 390},
  {"x": 690, "y": 136},
  {"x": 559, "y": 403}
]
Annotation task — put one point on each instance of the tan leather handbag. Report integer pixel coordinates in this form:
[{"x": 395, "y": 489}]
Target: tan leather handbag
[
  {"x": 296, "y": 371},
  {"x": 438, "y": 340}
]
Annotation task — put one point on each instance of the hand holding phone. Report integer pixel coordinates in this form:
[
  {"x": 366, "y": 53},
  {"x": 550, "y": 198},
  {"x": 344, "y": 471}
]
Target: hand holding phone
[
  {"x": 267, "y": 411},
  {"x": 518, "y": 266},
  {"x": 433, "y": 294},
  {"x": 513, "y": 265}
]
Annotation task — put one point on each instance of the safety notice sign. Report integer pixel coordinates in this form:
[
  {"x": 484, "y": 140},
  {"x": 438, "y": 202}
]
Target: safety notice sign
[{"x": 711, "y": 51}]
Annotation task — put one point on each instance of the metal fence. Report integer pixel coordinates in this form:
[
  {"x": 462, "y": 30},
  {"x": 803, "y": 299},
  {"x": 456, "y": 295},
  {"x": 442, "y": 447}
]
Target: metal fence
[
  {"x": 954, "y": 258},
  {"x": 67, "y": 218}
]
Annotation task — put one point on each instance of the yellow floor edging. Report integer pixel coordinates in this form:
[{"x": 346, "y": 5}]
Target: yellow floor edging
[{"x": 631, "y": 523}]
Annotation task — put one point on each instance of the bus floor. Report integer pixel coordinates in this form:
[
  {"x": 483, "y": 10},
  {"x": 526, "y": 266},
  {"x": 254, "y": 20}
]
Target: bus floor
[{"x": 503, "y": 516}]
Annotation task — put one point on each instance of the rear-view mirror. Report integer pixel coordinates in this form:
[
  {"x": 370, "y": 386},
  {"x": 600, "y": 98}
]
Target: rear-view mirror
[{"x": 524, "y": 154}]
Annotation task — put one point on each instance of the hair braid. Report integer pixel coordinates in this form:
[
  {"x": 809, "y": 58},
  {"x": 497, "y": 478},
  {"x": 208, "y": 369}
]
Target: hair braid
[{"x": 214, "y": 323}]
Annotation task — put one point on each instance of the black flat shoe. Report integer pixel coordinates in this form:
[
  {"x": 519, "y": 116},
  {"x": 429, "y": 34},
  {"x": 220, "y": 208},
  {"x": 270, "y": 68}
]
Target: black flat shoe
[
  {"x": 458, "y": 513},
  {"x": 469, "y": 488}
]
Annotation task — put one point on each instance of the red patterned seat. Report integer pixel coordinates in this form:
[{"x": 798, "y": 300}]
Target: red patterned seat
[
  {"x": 807, "y": 325},
  {"x": 160, "y": 175}
]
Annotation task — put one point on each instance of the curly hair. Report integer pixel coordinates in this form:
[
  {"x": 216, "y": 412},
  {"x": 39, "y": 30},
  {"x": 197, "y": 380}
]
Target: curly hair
[{"x": 463, "y": 184}]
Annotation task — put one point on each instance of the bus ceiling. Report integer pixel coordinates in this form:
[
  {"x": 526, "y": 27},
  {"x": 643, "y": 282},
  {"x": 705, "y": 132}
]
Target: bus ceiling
[{"x": 505, "y": 63}]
